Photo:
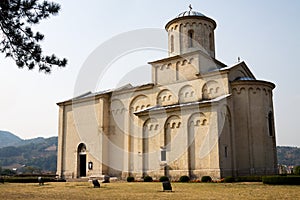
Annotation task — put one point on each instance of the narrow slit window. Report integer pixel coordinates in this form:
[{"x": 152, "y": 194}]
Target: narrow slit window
[
  {"x": 172, "y": 43},
  {"x": 163, "y": 154},
  {"x": 270, "y": 123},
  {"x": 211, "y": 42},
  {"x": 190, "y": 38}
]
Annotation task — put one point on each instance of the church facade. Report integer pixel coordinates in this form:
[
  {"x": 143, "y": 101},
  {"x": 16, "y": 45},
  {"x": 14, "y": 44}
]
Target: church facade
[{"x": 198, "y": 117}]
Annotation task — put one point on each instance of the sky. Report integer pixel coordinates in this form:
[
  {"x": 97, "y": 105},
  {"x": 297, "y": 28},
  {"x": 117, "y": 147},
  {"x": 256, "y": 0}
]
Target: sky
[{"x": 264, "y": 34}]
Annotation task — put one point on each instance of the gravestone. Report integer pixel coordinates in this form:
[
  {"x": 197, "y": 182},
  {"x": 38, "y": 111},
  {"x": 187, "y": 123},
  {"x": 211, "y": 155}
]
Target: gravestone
[
  {"x": 40, "y": 180},
  {"x": 106, "y": 179},
  {"x": 96, "y": 183},
  {"x": 167, "y": 186}
]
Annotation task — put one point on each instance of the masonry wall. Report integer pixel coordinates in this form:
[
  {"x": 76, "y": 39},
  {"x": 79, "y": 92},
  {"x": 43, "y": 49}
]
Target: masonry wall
[
  {"x": 255, "y": 145},
  {"x": 81, "y": 123}
]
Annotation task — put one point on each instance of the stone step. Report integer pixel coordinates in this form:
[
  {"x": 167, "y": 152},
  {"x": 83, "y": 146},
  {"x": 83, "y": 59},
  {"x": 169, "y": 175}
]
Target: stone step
[{"x": 87, "y": 179}]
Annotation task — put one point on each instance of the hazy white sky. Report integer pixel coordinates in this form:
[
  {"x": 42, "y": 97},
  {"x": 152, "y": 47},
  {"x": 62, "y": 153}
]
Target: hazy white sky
[{"x": 265, "y": 34}]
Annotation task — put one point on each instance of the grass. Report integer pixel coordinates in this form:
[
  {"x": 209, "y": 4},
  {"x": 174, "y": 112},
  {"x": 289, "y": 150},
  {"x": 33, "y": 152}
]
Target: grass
[{"x": 135, "y": 191}]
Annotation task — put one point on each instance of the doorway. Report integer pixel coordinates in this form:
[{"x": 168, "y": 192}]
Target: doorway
[
  {"x": 82, "y": 168},
  {"x": 81, "y": 164}
]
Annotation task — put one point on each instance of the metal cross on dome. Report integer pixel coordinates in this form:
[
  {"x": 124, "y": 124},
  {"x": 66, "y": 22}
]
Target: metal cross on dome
[{"x": 190, "y": 6}]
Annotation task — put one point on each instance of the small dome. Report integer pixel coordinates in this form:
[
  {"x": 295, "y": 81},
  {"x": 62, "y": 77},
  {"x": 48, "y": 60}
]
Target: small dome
[
  {"x": 190, "y": 13},
  {"x": 244, "y": 79}
]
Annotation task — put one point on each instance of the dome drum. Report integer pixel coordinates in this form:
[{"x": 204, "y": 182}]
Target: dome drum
[{"x": 191, "y": 31}]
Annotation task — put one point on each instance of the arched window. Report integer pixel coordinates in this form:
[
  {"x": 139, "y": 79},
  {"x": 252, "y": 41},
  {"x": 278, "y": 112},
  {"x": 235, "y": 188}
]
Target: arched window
[
  {"x": 190, "y": 38},
  {"x": 270, "y": 123},
  {"x": 172, "y": 43}
]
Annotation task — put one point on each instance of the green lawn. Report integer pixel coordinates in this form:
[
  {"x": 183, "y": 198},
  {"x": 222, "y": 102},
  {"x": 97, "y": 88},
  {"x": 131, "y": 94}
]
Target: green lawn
[{"x": 135, "y": 191}]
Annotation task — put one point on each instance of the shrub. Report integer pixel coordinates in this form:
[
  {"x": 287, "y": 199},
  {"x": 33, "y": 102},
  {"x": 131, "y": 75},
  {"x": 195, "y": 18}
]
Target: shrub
[
  {"x": 281, "y": 180},
  {"x": 229, "y": 179},
  {"x": 184, "y": 179},
  {"x": 27, "y": 179},
  {"x": 296, "y": 170},
  {"x": 249, "y": 179},
  {"x": 130, "y": 179},
  {"x": 148, "y": 179},
  {"x": 164, "y": 178},
  {"x": 206, "y": 179}
]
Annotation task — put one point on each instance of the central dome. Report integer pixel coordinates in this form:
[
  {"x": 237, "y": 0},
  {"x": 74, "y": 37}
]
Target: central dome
[
  {"x": 190, "y": 31},
  {"x": 190, "y": 13}
]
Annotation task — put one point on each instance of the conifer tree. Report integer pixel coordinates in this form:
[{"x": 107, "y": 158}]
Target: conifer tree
[{"x": 18, "y": 41}]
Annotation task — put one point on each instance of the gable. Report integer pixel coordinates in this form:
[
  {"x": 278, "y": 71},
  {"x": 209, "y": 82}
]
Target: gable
[{"x": 240, "y": 71}]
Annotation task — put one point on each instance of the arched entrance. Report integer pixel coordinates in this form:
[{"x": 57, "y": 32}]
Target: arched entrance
[{"x": 81, "y": 160}]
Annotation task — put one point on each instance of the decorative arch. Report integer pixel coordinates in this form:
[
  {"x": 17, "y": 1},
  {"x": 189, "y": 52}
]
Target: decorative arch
[
  {"x": 165, "y": 97},
  {"x": 187, "y": 94},
  {"x": 117, "y": 107},
  {"x": 197, "y": 119},
  {"x": 150, "y": 129},
  {"x": 170, "y": 129},
  {"x": 145, "y": 145},
  {"x": 184, "y": 62},
  {"x": 194, "y": 122},
  {"x": 210, "y": 90},
  {"x": 138, "y": 102}
]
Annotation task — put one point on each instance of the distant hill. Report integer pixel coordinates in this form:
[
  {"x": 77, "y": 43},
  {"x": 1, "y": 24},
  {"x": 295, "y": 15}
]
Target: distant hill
[
  {"x": 8, "y": 139},
  {"x": 289, "y": 156},
  {"x": 37, "y": 153}
]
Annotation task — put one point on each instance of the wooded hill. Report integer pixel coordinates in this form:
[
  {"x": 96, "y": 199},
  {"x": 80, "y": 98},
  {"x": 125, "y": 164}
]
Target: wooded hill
[
  {"x": 289, "y": 156},
  {"x": 38, "y": 154}
]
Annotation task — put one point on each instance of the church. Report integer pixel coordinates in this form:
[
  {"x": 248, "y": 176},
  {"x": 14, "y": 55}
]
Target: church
[{"x": 198, "y": 117}]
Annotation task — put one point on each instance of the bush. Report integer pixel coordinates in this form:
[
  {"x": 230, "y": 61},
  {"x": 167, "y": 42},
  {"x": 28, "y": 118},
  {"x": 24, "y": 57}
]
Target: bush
[
  {"x": 184, "y": 179},
  {"x": 130, "y": 179},
  {"x": 249, "y": 179},
  {"x": 296, "y": 170},
  {"x": 229, "y": 179},
  {"x": 27, "y": 179},
  {"x": 206, "y": 179},
  {"x": 164, "y": 178},
  {"x": 148, "y": 179},
  {"x": 281, "y": 180}
]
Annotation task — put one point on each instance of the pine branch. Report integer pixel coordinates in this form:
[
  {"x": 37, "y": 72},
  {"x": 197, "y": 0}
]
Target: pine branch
[{"x": 19, "y": 41}]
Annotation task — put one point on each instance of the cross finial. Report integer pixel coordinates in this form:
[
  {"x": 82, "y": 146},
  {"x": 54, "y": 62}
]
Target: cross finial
[{"x": 190, "y": 6}]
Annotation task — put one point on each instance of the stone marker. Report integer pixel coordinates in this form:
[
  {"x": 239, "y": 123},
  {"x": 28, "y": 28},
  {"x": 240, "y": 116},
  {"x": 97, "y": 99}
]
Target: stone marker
[
  {"x": 96, "y": 183},
  {"x": 106, "y": 179},
  {"x": 40, "y": 180},
  {"x": 167, "y": 186}
]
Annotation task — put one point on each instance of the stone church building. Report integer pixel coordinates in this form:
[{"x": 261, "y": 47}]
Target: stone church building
[{"x": 197, "y": 117}]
